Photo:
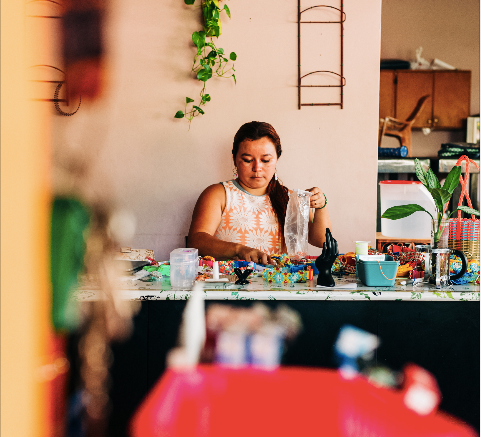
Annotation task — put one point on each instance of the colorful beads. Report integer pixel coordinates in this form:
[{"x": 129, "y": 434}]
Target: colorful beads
[
  {"x": 472, "y": 271},
  {"x": 281, "y": 260},
  {"x": 285, "y": 272}
]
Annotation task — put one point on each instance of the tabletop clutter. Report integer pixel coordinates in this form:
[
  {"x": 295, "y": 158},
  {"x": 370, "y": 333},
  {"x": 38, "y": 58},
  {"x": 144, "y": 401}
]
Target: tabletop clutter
[
  {"x": 423, "y": 264},
  {"x": 371, "y": 267}
]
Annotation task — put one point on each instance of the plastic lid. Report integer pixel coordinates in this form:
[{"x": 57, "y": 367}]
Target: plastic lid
[
  {"x": 399, "y": 182},
  {"x": 184, "y": 254}
]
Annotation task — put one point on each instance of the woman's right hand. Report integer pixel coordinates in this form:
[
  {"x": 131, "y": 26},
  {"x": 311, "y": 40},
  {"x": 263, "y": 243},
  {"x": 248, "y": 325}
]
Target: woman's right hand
[{"x": 249, "y": 254}]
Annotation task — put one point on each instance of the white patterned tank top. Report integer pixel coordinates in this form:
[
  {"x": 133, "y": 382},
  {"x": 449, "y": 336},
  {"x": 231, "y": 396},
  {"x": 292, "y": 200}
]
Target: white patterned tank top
[{"x": 249, "y": 220}]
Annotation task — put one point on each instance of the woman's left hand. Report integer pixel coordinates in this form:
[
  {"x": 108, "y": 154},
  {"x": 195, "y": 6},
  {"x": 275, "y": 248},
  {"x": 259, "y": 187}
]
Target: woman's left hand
[
  {"x": 317, "y": 200},
  {"x": 319, "y": 219}
]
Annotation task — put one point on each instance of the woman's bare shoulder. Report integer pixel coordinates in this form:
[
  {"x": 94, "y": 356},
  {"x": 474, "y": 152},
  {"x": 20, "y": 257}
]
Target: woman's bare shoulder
[
  {"x": 213, "y": 195},
  {"x": 208, "y": 210},
  {"x": 215, "y": 191}
]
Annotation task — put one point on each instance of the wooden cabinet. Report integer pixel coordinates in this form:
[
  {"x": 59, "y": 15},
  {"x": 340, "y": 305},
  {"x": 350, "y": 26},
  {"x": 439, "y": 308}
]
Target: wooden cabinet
[{"x": 448, "y": 106}]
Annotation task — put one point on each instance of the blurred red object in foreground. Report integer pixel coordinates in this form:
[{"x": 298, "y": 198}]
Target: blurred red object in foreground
[
  {"x": 215, "y": 401},
  {"x": 420, "y": 392}
]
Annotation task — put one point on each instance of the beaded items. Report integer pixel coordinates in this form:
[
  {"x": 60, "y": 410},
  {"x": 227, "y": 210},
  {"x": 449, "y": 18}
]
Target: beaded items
[{"x": 285, "y": 272}]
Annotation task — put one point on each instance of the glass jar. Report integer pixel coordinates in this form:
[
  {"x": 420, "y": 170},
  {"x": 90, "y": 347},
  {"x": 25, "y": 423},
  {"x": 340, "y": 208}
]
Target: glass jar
[{"x": 439, "y": 234}]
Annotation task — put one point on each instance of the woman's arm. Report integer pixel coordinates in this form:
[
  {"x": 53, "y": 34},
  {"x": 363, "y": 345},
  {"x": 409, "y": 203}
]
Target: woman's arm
[
  {"x": 319, "y": 220},
  {"x": 205, "y": 221}
]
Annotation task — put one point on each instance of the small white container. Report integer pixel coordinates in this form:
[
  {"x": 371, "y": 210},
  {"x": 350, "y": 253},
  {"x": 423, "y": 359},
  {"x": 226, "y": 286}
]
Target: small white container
[
  {"x": 183, "y": 268},
  {"x": 362, "y": 247},
  {"x": 417, "y": 225},
  {"x": 215, "y": 270}
]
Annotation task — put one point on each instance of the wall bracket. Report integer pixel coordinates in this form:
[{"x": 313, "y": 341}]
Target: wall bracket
[{"x": 340, "y": 75}]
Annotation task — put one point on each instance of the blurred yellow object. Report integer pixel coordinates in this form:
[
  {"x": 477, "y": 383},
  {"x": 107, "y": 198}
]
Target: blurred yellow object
[
  {"x": 404, "y": 270},
  {"x": 25, "y": 218}
]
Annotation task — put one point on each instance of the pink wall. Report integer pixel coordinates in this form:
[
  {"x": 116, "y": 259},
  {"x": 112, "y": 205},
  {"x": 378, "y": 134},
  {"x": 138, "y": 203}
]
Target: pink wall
[
  {"x": 154, "y": 166},
  {"x": 446, "y": 30}
]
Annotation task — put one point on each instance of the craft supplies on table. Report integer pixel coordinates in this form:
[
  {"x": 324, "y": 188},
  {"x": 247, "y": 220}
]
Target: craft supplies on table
[
  {"x": 362, "y": 247},
  {"x": 377, "y": 270},
  {"x": 286, "y": 272},
  {"x": 183, "y": 267},
  {"x": 127, "y": 253}
]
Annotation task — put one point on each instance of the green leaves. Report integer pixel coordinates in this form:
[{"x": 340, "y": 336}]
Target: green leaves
[
  {"x": 429, "y": 179},
  {"x": 211, "y": 12},
  {"x": 441, "y": 197},
  {"x": 401, "y": 211},
  {"x": 420, "y": 173},
  {"x": 452, "y": 180},
  {"x": 432, "y": 180},
  {"x": 198, "y": 38},
  {"x": 227, "y": 10},
  {"x": 467, "y": 210},
  {"x": 209, "y": 60},
  {"x": 204, "y": 74}
]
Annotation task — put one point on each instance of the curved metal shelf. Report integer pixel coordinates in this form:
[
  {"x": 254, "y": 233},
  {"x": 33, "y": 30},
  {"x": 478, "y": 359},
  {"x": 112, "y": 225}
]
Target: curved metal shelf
[
  {"x": 59, "y": 83},
  {"x": 44, "y": 1},
  {"x": 324, "y": 71},
  {"x": 343, "y": 14},
  {"x": 342, "y": 79}
]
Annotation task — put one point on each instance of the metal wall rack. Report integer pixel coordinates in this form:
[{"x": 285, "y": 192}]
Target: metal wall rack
[
  {"x": 342, "y": 79},
  {"x": 56, "y": 101}
]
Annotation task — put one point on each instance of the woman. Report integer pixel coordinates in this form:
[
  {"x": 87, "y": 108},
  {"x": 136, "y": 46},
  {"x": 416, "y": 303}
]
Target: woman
[{"x": 244, "y": 218}]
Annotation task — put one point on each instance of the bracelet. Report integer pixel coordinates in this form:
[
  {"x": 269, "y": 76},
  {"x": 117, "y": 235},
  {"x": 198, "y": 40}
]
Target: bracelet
[
  {"x": 323, "y": 206},
  {"x": 325, "y": 203}
]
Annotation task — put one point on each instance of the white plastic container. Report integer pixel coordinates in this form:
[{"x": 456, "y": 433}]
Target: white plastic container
[
  {"x": 183, "y": 268},
  {"x": 362, "y": 247},
  {"x": 417, "y": 225}
]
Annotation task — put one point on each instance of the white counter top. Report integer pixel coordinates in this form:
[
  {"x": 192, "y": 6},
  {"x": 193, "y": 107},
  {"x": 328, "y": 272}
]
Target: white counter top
[{"x": 346, "y": 288}]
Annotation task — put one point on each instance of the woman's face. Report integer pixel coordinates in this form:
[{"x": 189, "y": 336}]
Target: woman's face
[{"x": 256, "y": 163}]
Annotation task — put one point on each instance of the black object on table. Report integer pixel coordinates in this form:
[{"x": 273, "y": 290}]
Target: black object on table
[
  {"x": 325, "y": 260},
  {"x": 242, "y": 275}
]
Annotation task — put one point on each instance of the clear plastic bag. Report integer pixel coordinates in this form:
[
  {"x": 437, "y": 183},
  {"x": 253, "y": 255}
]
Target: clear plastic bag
[{"x": 296, "y": 226}]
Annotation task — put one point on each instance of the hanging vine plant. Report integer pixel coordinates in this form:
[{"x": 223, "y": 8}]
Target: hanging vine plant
[{"x": 209, "y": 61}]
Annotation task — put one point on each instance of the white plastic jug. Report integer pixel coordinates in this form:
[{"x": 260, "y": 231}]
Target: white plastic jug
[{"x": 417, "y": 225}]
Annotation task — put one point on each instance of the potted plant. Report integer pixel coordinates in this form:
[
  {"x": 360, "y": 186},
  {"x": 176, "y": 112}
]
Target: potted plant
[
  {"x": 440, "y": 195},
  {"x": 209, "y": 60}
]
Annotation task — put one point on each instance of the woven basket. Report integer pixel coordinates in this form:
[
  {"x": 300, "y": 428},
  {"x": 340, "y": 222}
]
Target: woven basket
[{"x": 464, "y": 236}]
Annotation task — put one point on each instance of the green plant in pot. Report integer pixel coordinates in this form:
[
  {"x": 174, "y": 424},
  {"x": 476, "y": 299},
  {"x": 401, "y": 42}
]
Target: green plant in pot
[
  {"x": 441, "y": 196},
  {"x": 209, "y": 60}
]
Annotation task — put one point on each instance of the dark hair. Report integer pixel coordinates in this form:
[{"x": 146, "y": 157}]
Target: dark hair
[{"x": 278, "y": 193}]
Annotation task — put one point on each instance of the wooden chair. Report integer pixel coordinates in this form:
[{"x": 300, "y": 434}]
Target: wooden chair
[{"x": 392, "y": 127}]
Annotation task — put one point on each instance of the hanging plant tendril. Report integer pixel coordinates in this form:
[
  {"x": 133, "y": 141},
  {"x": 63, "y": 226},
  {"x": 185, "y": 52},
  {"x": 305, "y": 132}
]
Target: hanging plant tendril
[{"x": 209, "y": 61}]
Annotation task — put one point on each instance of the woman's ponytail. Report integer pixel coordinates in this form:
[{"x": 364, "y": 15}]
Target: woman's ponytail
[{"x": 279, "y": 197}]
